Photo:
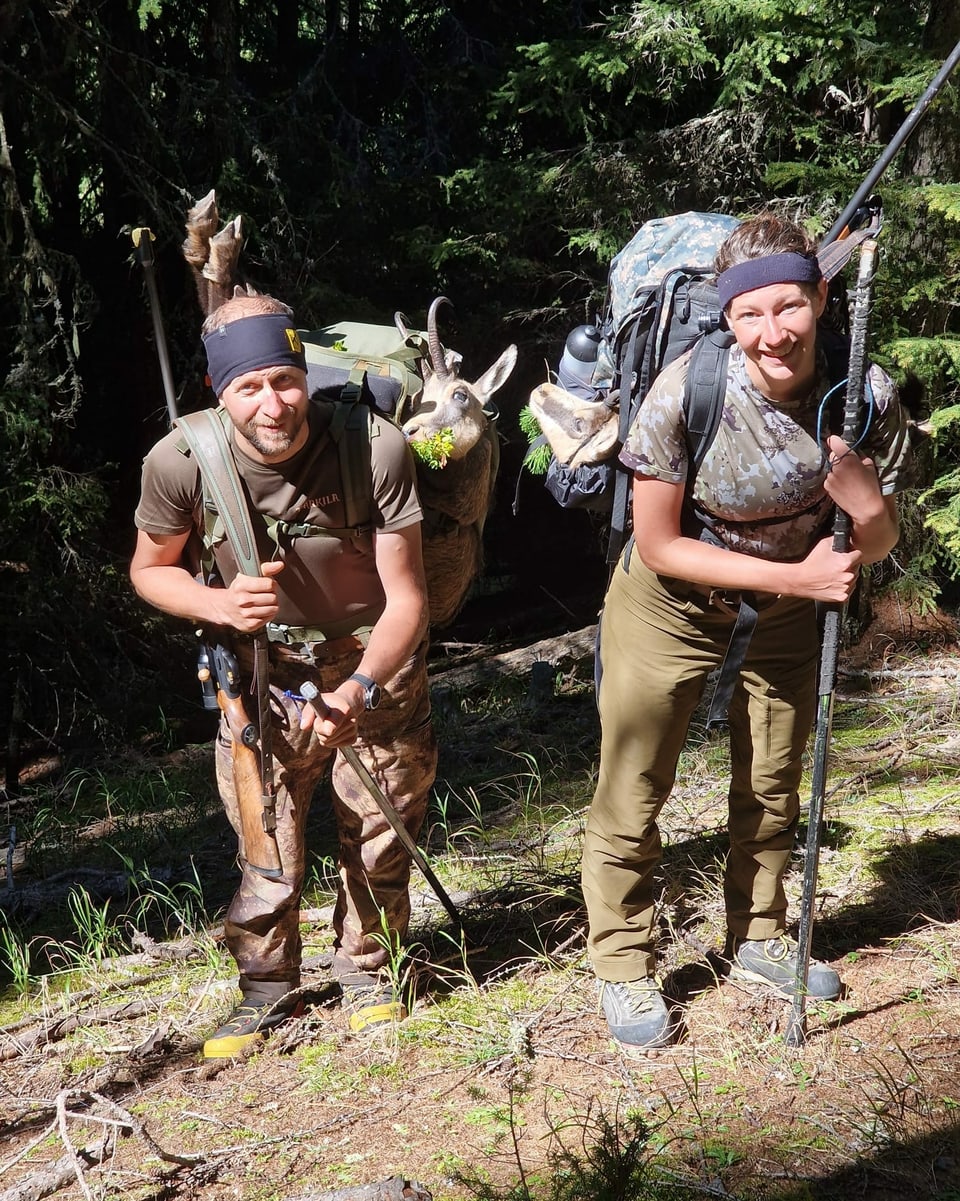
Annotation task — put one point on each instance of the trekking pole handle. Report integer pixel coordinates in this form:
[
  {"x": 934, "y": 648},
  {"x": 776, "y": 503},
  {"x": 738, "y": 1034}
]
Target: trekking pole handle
[
  {"x": 143, "y": 245},
  {"x": 856, "y": 369}
]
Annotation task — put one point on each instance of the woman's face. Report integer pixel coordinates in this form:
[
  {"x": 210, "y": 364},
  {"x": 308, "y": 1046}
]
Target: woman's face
[{"x": 777, "y": 328}]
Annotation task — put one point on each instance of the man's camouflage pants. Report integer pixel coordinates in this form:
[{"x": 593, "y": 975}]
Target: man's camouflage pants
[{"x": 397, "y": 744}]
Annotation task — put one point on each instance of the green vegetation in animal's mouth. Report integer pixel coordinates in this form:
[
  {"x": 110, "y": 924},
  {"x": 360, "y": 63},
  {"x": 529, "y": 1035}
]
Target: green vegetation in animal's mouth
[{"x": 434, "y": 451}]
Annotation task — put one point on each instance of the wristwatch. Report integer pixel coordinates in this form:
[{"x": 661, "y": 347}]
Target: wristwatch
[{"x": 371, "y": 690}]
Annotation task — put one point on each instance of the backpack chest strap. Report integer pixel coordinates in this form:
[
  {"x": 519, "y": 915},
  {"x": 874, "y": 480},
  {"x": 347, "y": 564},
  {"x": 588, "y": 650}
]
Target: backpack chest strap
[{"x": 288, "y": 530}]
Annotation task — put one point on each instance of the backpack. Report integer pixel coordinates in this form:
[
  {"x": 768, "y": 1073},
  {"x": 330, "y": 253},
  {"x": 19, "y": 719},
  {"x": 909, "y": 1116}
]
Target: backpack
[
  {"x": 661, "y": 299},
  {"x": 363, "y": 368}
]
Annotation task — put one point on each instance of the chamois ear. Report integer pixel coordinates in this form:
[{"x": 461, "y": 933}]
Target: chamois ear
[{"x": 496, "y": 376}]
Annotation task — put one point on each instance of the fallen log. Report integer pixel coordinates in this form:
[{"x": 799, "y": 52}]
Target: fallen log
[
  {"x": 44, "y": 1182},
  {"x": 13, "y": 1045},
  {"x": 571, "y": 652},
  {"x": 395, "y": 1189}
]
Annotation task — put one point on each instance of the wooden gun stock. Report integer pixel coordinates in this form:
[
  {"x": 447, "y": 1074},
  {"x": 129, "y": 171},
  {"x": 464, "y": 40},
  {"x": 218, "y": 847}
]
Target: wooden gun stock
[{"x": 260, "y": 849}]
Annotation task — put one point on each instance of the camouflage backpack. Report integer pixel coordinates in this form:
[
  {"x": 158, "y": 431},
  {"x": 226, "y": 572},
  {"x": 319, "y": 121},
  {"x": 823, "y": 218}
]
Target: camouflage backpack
[{"x": 661, "y": 299}]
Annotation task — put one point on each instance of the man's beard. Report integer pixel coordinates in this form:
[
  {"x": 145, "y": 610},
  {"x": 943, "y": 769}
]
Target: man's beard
[{"x": 272, "y": 442}]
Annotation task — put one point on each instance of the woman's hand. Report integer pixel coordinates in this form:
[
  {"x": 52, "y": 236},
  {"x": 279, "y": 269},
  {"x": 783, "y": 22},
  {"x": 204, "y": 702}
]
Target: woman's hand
[
  {"x": 827, "y": 574},
  {"x": 852, "y": 483}
]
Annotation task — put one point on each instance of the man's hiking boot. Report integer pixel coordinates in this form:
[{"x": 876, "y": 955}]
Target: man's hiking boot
[
  {"x": 636, "y": 1013},
  {"x": 773, "y": 961},
  {"x": 370, "y": 999},
  {"x": 247, "y": 1025}
]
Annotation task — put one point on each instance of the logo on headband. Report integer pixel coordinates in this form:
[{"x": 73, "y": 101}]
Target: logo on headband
[{"x": 294, "y": 339}]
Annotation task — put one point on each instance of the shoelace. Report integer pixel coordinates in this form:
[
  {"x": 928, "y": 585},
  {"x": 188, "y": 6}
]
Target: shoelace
[{"x": 640, "y": 994}]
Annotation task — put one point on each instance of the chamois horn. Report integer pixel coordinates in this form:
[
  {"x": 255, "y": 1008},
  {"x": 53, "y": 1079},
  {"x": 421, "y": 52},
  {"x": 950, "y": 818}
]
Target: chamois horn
[{"x": 433, "y": 339}]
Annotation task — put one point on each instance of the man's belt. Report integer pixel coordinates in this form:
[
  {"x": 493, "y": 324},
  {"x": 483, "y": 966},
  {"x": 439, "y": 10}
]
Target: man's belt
[{"x": 307, "y": 644}]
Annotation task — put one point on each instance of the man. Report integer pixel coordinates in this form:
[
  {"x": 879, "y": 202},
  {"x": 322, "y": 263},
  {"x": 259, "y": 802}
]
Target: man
[{"x": 346, "y": 610}]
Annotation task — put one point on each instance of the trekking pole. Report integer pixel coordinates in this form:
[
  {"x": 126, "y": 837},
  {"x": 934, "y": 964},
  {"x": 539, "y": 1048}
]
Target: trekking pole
[
  {"x": 898, "y": 139},
  {"x": 829, "y": 652},
  {"x": 310, "y": 692},
  {"x": 143, "y": 245}
]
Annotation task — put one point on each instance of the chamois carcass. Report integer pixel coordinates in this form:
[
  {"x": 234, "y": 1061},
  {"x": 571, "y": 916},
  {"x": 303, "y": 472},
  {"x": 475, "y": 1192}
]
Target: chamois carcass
[
  {"x": 458, "y": 495},
  {"x": 457, "y": 489}
]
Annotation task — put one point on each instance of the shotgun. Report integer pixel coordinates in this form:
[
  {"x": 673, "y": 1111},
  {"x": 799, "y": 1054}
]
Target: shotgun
[
  {"x": 217, "y": 668},
  {"x": 258, "y": 821},
  {"x": 830, "y": 649}
]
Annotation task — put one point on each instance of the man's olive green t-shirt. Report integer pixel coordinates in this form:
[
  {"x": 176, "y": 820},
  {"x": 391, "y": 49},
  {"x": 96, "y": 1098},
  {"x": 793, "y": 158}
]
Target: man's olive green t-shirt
[{"x": 328, "y": 582}]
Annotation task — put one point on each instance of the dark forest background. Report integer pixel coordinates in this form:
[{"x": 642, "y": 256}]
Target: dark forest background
[{"x": 382, "y": 152}]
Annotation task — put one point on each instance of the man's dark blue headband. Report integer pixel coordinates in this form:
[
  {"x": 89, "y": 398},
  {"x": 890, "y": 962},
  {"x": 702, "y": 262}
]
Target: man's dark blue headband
[
  {"x": 266, "y": 340},
  {"x": 788, "y": 268}
]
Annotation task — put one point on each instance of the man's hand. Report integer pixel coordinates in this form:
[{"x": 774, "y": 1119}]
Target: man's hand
[
  {"x": 250, "y": 601},
  {"x": 330, "y": 714}
]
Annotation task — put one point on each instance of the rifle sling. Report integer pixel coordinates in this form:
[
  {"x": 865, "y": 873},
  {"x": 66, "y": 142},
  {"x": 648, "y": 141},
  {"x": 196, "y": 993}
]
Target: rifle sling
[
  {"x": 206, "y": 437},
  {"x": 205, "y": 434}
]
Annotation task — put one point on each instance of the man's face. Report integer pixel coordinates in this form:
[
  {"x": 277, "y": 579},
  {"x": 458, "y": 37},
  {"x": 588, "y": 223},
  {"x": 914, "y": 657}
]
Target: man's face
[{"x": 268, "y": 408}]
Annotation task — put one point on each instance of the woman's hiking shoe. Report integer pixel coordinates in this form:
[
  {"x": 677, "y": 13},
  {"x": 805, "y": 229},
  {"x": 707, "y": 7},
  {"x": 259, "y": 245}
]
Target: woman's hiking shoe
[
  {"x": 636, "y": 1013},
  {"x": 773, "y": 961},
  {"x": 370, "y": 999},
  {"x": 246, "y": 1026}
]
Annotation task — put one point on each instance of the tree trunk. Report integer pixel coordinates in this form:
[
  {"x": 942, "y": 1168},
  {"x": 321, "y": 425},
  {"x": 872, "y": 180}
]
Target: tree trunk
[{"x": 935, "y": 153}]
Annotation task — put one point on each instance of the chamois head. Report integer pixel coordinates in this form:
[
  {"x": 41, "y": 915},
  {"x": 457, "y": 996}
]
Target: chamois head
[{"x": 448, "y": 402}]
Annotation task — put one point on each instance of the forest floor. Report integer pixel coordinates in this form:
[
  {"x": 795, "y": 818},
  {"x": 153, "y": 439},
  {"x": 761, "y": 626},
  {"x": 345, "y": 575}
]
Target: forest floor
[{"x": 503, "y": 1084}]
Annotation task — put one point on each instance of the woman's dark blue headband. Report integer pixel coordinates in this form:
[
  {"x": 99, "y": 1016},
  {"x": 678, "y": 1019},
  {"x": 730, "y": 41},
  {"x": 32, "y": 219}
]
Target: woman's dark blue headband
[
  {"x": 788, "y": 268},
  {"x": 266, "y": 340}
]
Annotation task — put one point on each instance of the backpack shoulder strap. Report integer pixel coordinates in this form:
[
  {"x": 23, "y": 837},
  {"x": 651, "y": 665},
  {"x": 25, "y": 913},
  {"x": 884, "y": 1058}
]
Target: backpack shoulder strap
[
  {"x": 703, "y": 395},
  {"x": 205, "y": 433},
  {"x": 350, "y": 430}
]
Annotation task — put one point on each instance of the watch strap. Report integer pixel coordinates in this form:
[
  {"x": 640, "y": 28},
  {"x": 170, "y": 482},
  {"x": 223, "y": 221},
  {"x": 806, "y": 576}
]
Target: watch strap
[{"x": 371, "y": 690}]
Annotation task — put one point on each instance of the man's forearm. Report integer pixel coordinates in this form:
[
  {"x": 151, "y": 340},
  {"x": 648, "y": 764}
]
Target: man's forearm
[
  {"x": 175, "y": 591},
  {"x": 393, "y": 639}
]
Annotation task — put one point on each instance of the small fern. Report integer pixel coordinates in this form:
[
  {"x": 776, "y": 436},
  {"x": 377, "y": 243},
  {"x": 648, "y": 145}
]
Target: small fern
[{"x": 537, "y": 458}]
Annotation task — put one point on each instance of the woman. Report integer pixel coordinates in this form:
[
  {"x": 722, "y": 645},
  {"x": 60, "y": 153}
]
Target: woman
[{"x": 757, "y": 520}]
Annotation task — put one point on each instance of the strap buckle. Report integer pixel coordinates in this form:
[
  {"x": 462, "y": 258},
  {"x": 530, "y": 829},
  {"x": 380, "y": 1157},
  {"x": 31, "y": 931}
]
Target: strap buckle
[{"x": 726, "y": 600}]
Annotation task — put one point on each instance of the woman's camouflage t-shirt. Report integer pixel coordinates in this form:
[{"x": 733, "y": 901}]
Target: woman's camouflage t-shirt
[{"x": 760, "y": 486}]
